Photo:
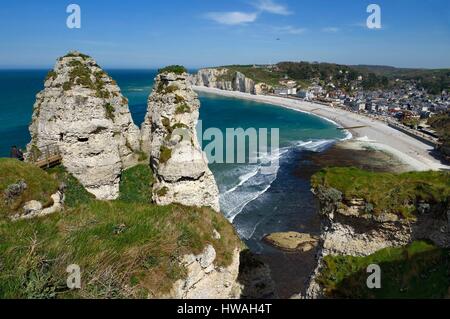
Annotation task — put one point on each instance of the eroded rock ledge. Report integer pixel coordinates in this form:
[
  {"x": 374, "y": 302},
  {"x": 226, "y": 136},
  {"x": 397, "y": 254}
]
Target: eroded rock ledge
[{"x": 205, "y": 280}]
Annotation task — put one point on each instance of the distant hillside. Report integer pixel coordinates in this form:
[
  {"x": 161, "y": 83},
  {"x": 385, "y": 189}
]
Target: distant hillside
[
  {"x": 433, "y": 80},
  {"x": 344, "y": 76}
]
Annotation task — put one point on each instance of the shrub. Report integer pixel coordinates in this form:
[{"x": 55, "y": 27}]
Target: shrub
[
  {"x": 75, "y": 54},
  {"x": 171, "y": 89},
  {"x": 177, "y": 69}
]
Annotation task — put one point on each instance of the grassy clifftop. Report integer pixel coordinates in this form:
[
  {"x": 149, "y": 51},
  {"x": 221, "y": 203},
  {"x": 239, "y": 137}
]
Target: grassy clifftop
[
  {"x": 39, "y": 185},
  {"x": 387, "y": 192},
  {"x": 419, "y": 270},
  {"x": 126, "y": 248}
]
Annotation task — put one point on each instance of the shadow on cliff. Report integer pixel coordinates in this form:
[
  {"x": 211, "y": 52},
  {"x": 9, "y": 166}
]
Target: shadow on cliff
[
  {"x": 254, "y": 276},
  {"x": 406, "y": 275}
]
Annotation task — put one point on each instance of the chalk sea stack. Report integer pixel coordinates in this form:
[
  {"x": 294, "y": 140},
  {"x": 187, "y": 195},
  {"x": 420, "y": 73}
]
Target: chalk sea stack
[
  {"x": 169, "y": 135},
  {"x": 83, "y": 114}
]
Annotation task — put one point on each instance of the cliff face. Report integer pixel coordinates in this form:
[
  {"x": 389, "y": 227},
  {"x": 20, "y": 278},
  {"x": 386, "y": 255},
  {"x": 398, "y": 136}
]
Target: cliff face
[
  {"x": 82, "y": 113},
  {"x": 347, "y": 229},
  {"x": 205, "y": 280},
  {"x": 169, "y": 135},
  {"x": 225, "y": 79}
]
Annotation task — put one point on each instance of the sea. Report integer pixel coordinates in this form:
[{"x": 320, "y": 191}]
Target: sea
[{"x": 256, "y": 202}]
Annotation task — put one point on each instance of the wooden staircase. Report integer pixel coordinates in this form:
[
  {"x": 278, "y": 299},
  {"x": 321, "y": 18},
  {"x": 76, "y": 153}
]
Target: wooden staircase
[{"x": 46, "y": 157}]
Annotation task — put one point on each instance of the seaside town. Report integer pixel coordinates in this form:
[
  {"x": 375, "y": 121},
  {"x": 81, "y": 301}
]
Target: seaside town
[{"x": 404, "y": 105}]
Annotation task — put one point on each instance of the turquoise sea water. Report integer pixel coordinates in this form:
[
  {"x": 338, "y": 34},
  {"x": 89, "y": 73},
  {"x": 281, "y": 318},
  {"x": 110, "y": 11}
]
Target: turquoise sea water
[{"x": 244, "y": 190}]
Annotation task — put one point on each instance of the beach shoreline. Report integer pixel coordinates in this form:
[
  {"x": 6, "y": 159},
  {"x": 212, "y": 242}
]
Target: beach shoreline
[{"x": 374, "y": 133}]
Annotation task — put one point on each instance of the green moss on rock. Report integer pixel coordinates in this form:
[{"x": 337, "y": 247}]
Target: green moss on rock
[{"x": 166, "y": 154}]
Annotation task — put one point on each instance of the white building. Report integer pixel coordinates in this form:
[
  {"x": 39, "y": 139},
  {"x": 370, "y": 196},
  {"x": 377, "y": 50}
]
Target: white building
[
  {"x": 304, "y": 94},
  {"x": 285, "y": 91}
]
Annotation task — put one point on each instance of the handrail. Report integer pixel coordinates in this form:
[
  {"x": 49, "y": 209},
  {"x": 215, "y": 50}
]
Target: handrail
[{"x": 45, "y": 156}]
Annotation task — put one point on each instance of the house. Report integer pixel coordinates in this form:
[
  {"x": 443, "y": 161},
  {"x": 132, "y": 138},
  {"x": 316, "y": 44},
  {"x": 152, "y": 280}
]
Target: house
[
  {"x": 358, "y": 105},
  {"x": 304, "y": 94},
  {"x": 285, "y": 91}
]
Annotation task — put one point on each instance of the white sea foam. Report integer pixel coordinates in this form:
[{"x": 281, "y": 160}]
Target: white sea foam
[
  {"x": 243, "y": 179},
  {"x": 315, "y": 146},
  {"x": 253, "y": 183}
]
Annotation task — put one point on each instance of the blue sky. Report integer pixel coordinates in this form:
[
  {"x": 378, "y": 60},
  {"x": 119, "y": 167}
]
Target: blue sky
[{"x": 198, "y": 33}]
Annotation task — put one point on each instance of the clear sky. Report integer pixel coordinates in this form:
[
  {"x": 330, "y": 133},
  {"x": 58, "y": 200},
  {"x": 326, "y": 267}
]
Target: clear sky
[{"x": 197, "y": 33}]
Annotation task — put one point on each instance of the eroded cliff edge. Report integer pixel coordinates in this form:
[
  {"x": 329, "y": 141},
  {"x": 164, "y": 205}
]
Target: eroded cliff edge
[
  {"x": 83, "y": 115},
  {"x": 368, "y": 216}
]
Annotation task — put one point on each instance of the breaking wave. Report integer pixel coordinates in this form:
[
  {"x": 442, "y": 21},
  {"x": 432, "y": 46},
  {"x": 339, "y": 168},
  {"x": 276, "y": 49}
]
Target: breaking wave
[{"x": 255, "y": 180}]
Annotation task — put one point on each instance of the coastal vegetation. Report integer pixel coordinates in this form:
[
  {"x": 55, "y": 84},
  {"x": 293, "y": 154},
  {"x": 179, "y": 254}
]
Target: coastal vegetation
[
  {"x": 341, "y": 76},
  {"x": 39, "y": 185},
  {"x": 177, "y": 69},
  {"x": 259, "y": 75},
  {"x": 127, "y": 248},
  {"x": 166, "y": 154},
  {"x": 419, "y": 270},
  {"x": 182, "y": 108},
  {"x": 387, "y": 192}
]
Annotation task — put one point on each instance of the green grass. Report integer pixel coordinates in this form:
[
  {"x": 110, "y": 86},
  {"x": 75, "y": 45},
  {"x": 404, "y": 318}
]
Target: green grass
[
  {"x": 145, "y": 253},
  {"x": 135, "y": 185},
  {"x": 126, "y": 248},
  {"x": 40, "y": 185},
  {"x": 77, "y": 54},
  {"x": 387, "y": 192},
  {"x": 419, "y": 270},
  {"x": 177, "y": 69},
  {"x": 162, "y": 192},
  {"x": 75, "y": 194}
]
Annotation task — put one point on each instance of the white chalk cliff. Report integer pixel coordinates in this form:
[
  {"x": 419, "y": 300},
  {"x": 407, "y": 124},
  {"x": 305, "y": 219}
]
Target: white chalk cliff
[
  {"x": 169, "y": 135},
  {"x": 83, "y": 114},
  {"x": 226, "y": 79}
]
